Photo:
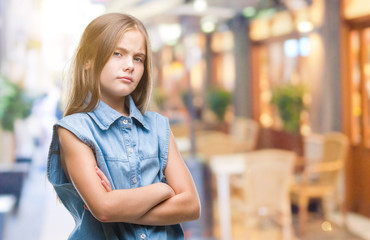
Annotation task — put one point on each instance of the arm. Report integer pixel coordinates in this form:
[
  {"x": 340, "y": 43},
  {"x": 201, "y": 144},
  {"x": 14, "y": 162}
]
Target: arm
[
  {"x": 331, "y": 166},
  {"x": 124, "y": 205},
  {"x": 184, "y": 206}
]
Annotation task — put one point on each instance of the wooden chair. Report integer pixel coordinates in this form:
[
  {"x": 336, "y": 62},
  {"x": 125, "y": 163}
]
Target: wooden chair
[
  {"x": 320, "y": 178},
  {"x": 312, "y": 148},
  {"x": 245, "y": 131},
  {"x": 267, "y": 179},
  {"x": 212, "y": 143}
]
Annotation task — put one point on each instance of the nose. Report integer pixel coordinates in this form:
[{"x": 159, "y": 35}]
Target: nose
[{"x": 128, "y": 65}]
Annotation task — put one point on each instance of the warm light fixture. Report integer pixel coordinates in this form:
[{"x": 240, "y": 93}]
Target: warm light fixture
[
  {"x": 208, "y": 27},
  {"x": 208, "y": 24},
  {"x": 305, "y": 129},
  {"x": 200, "y": 5},
  {"x": 170, "y": 33},
  {"x": 266, "y": 120},
  {"x": 326, "y": 226},
  {"x": 305, "y": 26}
]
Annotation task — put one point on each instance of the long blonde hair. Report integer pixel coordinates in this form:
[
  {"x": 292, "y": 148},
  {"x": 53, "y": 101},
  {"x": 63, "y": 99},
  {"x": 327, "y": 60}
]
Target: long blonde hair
[{"x": 96, "y": 46}]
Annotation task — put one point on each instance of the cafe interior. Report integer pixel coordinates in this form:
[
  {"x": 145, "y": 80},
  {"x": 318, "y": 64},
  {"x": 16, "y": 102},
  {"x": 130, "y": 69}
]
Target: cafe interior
[{"x": 268, "y": 100}]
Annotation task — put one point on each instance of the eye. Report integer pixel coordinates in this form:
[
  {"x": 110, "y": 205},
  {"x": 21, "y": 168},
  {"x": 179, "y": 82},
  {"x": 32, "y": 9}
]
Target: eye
[
  {"x": 138, "y": 59},
  {"x": 118, "y": 54}
]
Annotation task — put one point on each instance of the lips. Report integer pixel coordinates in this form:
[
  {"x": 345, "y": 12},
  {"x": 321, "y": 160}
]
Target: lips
[{"x": 126, "y": 79}]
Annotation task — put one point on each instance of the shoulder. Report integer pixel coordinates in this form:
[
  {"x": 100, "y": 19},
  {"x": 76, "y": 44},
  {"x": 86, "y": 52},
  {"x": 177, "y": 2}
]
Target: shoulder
[
  {"x": 160, "y": 127},
  {"x": 153, "y": 115},
  {"x": 158, "y": 123},
  {"x": 75, "y": 118},
  {"x": 80, "y": 124},
  {"x": 154, "y": 119}
]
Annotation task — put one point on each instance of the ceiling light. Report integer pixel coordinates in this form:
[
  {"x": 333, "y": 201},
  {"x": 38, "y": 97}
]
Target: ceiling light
[
  {"x": 170, "y": 33},
  {"x": 200, "y": 5},
  {"x": 305, "y": 26},
  {"x": 208, "y": 24}
]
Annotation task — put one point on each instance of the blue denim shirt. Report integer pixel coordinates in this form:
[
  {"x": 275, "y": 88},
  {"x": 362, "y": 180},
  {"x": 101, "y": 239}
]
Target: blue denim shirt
[{"x": 131, "y": 151}]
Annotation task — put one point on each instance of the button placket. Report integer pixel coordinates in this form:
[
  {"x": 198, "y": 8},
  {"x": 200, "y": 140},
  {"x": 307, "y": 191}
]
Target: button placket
[{"x": 130, "y": 150}]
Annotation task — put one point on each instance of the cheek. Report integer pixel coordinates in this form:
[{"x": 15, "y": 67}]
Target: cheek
[
  {"x": 102, "y": 79},
  {"x": 140, "y": 73},
  {"x": 104, "y": 73}
]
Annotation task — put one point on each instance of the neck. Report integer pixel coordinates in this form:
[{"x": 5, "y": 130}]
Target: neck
[{"x": 118, "y": 105}]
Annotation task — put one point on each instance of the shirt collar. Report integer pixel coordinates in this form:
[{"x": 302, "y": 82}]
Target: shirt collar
[
  {"x": 104, "y": 115},
  {"x": 135, "y": 113}
]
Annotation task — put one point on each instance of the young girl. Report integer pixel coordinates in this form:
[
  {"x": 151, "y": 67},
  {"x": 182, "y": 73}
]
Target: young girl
[{"x": 111, "y": 155}]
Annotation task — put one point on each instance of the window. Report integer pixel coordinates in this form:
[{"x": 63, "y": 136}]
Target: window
[{"x": 360, "y": 85}]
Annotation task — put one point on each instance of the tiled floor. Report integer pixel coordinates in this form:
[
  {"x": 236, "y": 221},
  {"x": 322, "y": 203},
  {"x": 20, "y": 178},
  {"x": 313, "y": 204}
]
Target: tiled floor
[
  {"x": 42, "y": 217},
  {"x": 317, "y": 228}
]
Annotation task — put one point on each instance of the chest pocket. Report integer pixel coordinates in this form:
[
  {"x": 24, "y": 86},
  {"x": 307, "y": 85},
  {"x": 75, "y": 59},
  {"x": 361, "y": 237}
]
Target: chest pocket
[
  {"x": 150, "y": 162},
  {"x": 119, "y": 169},
  {"x": 150, "y": 169}
]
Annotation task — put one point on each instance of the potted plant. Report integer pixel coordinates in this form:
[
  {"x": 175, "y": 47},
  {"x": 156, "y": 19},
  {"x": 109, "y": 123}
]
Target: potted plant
[
  {"x": 218, "y": 100},
  {"x": 288, "y": 99},
  {"x": 14, "y": 104}
]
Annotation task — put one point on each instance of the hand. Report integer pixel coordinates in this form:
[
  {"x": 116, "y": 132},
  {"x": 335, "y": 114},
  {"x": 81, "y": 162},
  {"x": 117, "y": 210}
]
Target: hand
[{"x": 104, "y": 181}]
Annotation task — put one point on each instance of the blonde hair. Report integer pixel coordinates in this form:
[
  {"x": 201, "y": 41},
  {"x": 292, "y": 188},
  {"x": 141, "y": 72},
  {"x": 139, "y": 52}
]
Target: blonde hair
[{"x": 96, "y": 46}]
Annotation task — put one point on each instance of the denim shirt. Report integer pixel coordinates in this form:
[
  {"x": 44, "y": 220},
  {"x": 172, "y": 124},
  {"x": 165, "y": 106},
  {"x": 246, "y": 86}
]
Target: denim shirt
[{"x": 131, "y": 152}]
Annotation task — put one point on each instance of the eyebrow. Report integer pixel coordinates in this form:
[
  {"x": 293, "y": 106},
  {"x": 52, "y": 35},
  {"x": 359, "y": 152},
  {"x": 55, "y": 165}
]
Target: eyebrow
[{"x": 126, "y": 50}]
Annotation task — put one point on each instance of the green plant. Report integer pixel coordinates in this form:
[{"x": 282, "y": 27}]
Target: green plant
[
  {"x": 288, "y": 99},
  {"x": 218, "y": 100},
  {"x": 14, "y": 104}
]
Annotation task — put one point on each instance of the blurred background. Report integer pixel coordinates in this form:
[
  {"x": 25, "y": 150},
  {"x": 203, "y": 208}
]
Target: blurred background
[{"x": 269, "y": 101}]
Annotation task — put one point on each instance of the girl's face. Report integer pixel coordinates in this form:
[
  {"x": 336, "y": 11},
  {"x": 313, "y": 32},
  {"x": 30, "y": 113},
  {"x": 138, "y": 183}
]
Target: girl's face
[{"x": 123, "y": 71}]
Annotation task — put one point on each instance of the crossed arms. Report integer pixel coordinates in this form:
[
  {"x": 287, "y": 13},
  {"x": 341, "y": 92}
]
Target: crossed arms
[{"x": 155, "y": 204}]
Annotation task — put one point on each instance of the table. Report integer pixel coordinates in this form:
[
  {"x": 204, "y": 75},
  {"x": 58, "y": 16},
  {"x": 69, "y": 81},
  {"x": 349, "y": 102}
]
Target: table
[{"x": 223, "y": 166}]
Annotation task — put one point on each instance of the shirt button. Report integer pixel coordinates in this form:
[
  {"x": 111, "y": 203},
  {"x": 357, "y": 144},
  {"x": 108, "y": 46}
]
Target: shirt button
[
  {"x": 125, "y": 121},
  {"x": 134, "y": 180},
  {"x": 142, "y": 236},
  {"x": 131, "y": 150}
]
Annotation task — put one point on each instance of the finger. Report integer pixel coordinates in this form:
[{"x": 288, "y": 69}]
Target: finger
[
  {"x": 104, "y": 179},
  {"x": 101, "y": 174},
  {"x": 106, "y": 186}
]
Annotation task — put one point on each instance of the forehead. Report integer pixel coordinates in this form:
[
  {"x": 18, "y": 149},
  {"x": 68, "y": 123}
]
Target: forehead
[{"x": 132, "y": 40}]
